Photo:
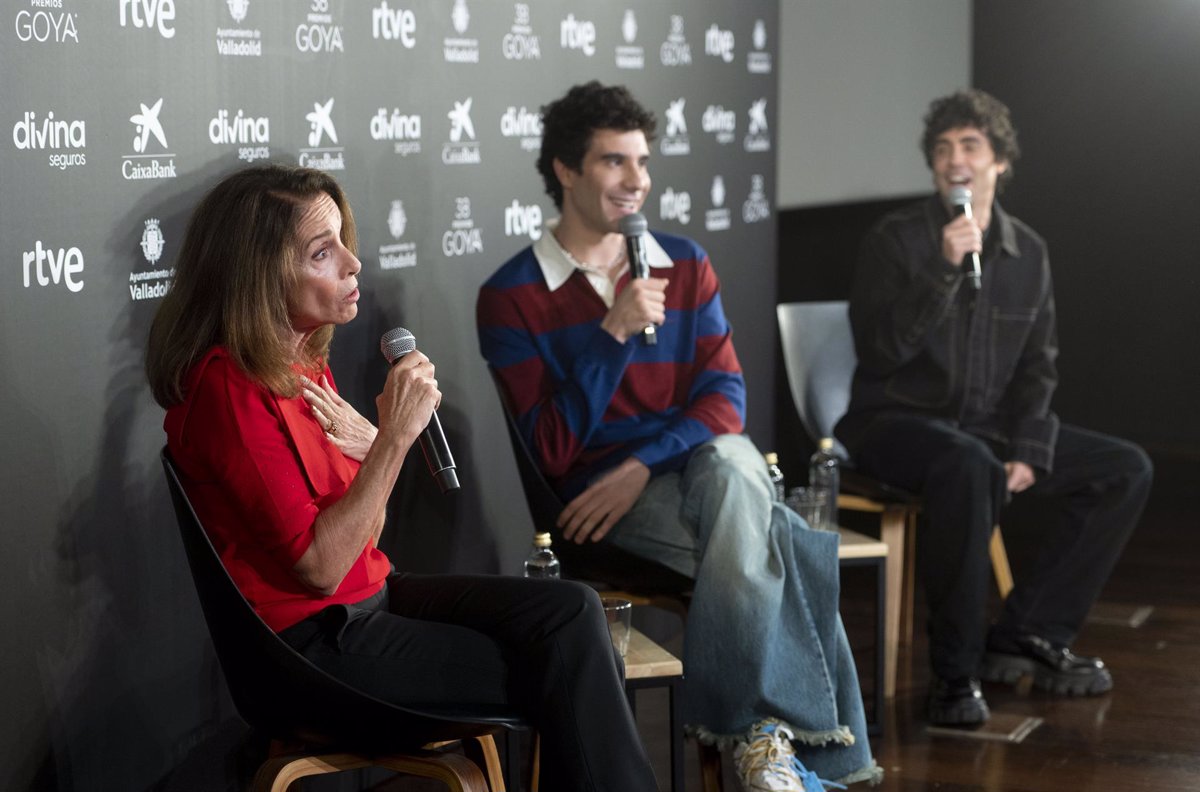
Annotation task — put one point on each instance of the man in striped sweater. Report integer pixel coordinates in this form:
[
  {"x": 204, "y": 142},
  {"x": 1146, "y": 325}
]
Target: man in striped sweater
[{"x": 644, "y": 444}]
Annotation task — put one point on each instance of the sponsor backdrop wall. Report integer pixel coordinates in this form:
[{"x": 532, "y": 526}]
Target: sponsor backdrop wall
[{"x": 119, "y": 114}]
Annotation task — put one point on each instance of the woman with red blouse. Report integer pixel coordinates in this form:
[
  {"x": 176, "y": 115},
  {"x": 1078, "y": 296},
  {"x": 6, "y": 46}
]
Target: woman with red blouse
[{"x": 291, "y": 483}]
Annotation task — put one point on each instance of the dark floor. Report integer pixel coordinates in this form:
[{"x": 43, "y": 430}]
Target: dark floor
[{"x": 1143, "y": 737}]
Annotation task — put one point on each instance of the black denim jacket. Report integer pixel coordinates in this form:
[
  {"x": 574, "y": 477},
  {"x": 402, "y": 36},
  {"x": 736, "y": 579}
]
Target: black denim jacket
[{"x": 928, "y": 343}]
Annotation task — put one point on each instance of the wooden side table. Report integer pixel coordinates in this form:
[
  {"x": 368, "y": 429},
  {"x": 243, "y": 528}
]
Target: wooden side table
[{"x": 648, "y": 665}]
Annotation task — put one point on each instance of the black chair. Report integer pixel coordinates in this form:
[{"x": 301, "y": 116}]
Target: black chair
[
  {"x": 819, "y": 356},
  {"x": 617, "y": 572},
  {"x": 284, "y": 696}
]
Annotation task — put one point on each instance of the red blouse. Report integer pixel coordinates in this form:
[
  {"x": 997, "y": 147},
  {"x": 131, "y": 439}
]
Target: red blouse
[{"x": 258, "y": 469}]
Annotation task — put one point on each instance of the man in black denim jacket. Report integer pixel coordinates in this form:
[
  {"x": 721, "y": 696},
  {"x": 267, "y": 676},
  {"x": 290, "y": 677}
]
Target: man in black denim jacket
[{"x": 951, "y": 399}]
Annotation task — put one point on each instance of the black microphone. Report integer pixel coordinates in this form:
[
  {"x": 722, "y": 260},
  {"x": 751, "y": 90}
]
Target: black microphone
[
  {"x": 395, "y": 344},
  {"x": 633, "y": 226},
  {"x": 960, "y": 199}
]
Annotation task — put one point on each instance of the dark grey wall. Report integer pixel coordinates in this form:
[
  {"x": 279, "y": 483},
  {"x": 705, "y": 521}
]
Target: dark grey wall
[
  {"x": 109, "y": 682},
  {"x": 1106, "y": 99}
]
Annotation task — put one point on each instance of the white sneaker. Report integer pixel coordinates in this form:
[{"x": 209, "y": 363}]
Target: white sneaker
[{"x": 767, "y": 762}]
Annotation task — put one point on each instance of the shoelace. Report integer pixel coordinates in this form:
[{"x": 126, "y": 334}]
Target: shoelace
[{"x": 769, "y": 742}]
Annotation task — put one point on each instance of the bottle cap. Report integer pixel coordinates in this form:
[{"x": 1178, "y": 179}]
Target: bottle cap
[
  {"x": 771, "y": 457},
  {"x": 541, "y": 540},
  {"x": 826, "y": 444}
]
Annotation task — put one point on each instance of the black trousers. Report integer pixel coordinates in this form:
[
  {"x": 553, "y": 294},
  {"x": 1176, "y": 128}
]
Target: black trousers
[
  {"x": 1095, "y": 495},
  {"x": 539, "y": 646}
]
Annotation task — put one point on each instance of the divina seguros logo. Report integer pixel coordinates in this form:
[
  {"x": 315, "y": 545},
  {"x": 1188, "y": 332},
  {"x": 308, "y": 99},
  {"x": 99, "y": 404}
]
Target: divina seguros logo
[
  {"x": 523, "y": 124},
  {"x": 144, "y": 164},
  {"x": 403, "y": 130},
  {"x": 63, "y": 139},
  {"x": 251, "y": 135}
]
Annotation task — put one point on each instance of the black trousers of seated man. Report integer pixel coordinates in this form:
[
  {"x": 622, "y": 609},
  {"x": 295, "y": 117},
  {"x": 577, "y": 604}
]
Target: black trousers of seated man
[
  {"x": 1098, "y": 487},
  {"x": 541, "y": 647}
]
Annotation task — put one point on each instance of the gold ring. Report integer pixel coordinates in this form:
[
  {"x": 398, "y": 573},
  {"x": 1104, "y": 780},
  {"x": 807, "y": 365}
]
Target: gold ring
[{"x": 333, "y": 427}]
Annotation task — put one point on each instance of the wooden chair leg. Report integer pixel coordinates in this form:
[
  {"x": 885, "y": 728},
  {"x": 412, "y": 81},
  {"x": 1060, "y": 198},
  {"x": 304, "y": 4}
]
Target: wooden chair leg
[
  {"x": 711, "y": 779},
  {"x": 457, "y": 772},
  {"x": 1000, "y": 567},
  {"x": 535, "y": 769},
  {"x": 893, "y": 532},
  {"x": 482, "y": 750}
]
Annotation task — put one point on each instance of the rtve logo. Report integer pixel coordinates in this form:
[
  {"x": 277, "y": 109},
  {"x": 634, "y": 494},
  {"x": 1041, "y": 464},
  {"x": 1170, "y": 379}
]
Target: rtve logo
[
  {"x": 578, "y": 34},
  {"x": 150, "y": 14},
  {"x": 719, "y": 43},
  {"x": 523, "y": 220},
  {"x": 399, "y": 25},
  {"x": 53, "y": 266}
]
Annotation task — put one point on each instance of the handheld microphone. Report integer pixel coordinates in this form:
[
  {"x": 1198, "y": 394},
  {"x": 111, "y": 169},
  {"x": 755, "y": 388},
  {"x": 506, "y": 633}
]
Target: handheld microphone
[
  {"x": 633, "y": 227},
  {"x": 960, "y": 199},
  {"x": 395, "y": 344}
]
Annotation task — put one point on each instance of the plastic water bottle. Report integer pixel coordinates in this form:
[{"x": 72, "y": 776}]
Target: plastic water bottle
[
  {"x": 776, "y": 475},
  {"x": 823, "y": 475},
  {"x": 541, "y": 563}
]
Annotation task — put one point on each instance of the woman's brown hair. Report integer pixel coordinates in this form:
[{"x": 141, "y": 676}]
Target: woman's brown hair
[{"x": 232, "y": 281}]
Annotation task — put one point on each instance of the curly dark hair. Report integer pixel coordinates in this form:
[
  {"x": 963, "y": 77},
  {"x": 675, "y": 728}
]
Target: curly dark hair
[
  {"x": 973, "y": 108},
  {"x": 568, "y": 124}
]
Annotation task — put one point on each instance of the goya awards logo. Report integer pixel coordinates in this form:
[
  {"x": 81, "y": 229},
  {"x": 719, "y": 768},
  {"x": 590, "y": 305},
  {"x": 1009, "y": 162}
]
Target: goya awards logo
[
  {"x": 520, "y": 42},
  {"x": 717, "y": 218},
  {"x": 251, "y": 135},
  {"x": 462, "y": 238},
  {"x": 237, "y": 41},
  {"x": 460, "y": 48},
  {"x": 578, "y": 34},
  {"x": 675, "y": 51},
  {"x": 318, "y": 32},
  {"x": 675, "y": 142},
  {"x": 720, "y": 123},
  {"x": 146, "y": 162},
  {"x": 523, "y": 125},
  {"x": 523, "y": 220},
  {"x": 402, "y": 130},
  {"x": 756, "y": 208},
  {"x": 394, "y": 25},
  {"x": 758, "y": 137},
  {"x": 675, "y": 206},
  {"x": 46, "y": 265},
  {"x": 758, "y": 61},
  {"x": 630, "y": 55},
  {"x": 46, "y": 23},
  {"x": 462, "y": 148},
  {"x": 398, "y": 254},
  {"x": 320, "y": 129},
  {"x": 719, "y": 43},
  {"x": 149, "y": 15},
  {"x": 151, "y": 283},
  {"x": 64, "y": 140}
]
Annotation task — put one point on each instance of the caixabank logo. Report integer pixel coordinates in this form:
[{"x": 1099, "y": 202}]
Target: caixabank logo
[
  {"x": 150, "y": 282},
  {"x": 401, "y": 253},
  {"x": 461, "y": 147},
  {"x": 675, "y": 142},
  {"x": 319, "y": 32},
  {"x": 249, "y": 135},
  {"x": 320, "y": 130},
  {"x": 151, "y": 159},
  {"x": 235, "y": 40},
  {"x": 46, "y": 22},
  {"x": 63, "y": 140},
  {"x": 758, "y": 137}
]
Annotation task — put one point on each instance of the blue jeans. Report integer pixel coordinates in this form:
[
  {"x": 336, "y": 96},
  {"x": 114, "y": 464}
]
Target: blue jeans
[{"x": 764, "y": 638}]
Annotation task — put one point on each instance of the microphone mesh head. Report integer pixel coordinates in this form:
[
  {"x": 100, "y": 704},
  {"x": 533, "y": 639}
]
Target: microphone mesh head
[
  {"x": 959, "y": 196},
  {"x": 633, "y": 225},
  {"x": 396, "y": 343}
]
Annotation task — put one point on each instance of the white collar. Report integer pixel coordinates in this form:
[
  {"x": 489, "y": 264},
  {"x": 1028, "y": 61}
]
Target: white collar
[{"x": 558, "y": 265}]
